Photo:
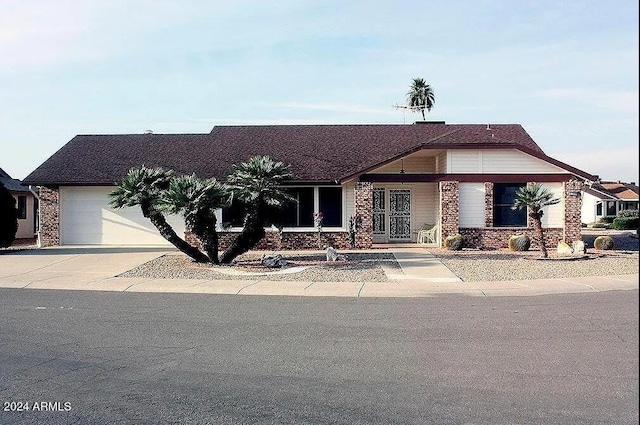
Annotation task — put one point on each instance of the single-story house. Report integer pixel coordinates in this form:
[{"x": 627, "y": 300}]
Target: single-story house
[
  {"x": 397, "y": 178},
  {"x": 607, "y": 198},
  {"x": 26, "y": 203}
]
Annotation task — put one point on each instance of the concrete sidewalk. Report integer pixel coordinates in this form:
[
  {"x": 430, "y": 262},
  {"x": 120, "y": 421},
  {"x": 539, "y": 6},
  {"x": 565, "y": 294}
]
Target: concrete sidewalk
[{"x": 420, "y": 275}]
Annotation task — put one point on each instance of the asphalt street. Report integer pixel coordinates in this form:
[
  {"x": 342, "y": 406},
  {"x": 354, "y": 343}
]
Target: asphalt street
[{"x": 112, "y": 357}]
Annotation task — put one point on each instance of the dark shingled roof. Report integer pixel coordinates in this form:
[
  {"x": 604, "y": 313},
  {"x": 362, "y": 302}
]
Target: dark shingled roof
[
  {"x": 317, "y": 153},
  {"x": 617, "y": 190},
  {"x": 12, "y": 185}
]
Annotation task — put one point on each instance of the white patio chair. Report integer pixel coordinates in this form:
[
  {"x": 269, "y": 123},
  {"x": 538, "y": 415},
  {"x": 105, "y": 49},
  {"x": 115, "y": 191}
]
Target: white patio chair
[{"x": 428, "y": 236}]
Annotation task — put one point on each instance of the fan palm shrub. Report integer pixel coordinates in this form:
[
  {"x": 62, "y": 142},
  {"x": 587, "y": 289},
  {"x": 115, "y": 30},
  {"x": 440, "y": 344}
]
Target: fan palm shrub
[
  {"x": 196, "y": 200},
  {"x": 257, "y": 185},
  {"x": 144, "y": 187},
  {"x": 535, "y": 197}
]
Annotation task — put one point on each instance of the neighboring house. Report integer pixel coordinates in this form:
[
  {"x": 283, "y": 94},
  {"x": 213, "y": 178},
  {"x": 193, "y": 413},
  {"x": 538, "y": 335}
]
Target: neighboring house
[
  {"x": 395, "y": 177},
  {"x": 607, "y": 199},
  {"x": 26, "y": 203}
]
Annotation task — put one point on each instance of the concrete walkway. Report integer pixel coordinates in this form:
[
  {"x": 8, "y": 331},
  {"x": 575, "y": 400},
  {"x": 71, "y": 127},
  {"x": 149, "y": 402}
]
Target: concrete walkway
[{"x": 420, "y": 275}]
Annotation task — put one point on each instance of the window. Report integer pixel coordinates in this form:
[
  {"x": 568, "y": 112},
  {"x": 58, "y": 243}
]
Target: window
[
  {"x": 330, "y": 203},
  {"x": 503, "y": 196},
  {"x": 599, "y": 209},
  {"x": 295, "y": 214},
  {"x": 22, "y": 207},
  {"x": 233, "y": 215}
]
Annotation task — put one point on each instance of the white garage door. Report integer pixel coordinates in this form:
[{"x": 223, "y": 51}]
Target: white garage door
[{"x": 87, "y": 219}]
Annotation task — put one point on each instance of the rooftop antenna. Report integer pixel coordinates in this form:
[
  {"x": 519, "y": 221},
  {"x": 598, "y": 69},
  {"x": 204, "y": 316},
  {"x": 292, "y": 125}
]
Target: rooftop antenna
[{"x": 404, "y": 111}]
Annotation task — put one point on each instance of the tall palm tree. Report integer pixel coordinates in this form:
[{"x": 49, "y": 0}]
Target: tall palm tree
[
  {"x": 144, "y": 187},
  {"x": 196, "y": 200},
  {"x": 535, "y": 197},
  {"x": 257, "y": 185},
  {"x": 420, "y": 96}
]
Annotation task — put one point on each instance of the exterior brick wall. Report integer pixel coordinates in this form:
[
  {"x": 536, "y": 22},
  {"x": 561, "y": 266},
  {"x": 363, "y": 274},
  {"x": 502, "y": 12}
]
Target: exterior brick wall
[
  {"x": 496, "y": 238},
  {"x": 290, "y": 240},
  {"x": 488, "y": 204},
  {"x": 364, "y": 209},
  {"x": 449, "y": 209},
  {"x": 572, "y": 211},
  {"x": 49, "y": 233}
]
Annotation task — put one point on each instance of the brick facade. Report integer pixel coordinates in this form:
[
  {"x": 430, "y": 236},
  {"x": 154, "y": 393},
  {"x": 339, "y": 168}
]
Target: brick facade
[
  {"x": 488, "y": 204},
  {"x": 49, "y": 207},
  {"x": 364, "y": 209},
  {"x": 449, "y": 209},
  {"x": 573, "y": 210},
  {"x": 498, "y": 237}
]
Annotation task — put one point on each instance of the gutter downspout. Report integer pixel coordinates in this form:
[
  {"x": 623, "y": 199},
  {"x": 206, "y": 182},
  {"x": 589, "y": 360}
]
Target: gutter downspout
[{"x": 36, "y": 217}]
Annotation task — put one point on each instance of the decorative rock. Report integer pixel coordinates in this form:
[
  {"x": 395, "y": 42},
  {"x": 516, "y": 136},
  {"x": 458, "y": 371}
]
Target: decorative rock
[
  {"x": 454, "y": 243},
  {"x": 579, "y": 248},
  {"x": 273, "y": 261},
  {"x": 332, "y": 255},
  {"x": 564, "y": 249}
]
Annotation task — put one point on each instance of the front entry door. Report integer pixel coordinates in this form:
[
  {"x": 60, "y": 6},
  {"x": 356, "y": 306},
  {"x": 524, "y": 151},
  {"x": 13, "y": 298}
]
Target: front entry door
[{"x": 399, "y": 215}]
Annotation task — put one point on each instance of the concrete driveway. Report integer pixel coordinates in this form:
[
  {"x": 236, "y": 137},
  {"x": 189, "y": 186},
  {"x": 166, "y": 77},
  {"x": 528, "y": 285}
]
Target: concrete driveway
[{"x": 71, "y": 268}]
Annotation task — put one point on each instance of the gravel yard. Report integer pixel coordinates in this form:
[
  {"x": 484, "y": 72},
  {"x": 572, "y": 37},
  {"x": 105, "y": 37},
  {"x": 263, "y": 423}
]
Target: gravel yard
[
  {"x": 478, "y": 266},
  {"x": 359, "y": 267}
]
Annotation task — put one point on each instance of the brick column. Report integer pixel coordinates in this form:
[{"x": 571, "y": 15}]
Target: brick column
[
  {"x": 449, "y": 208},
  {"x": 572, "y": 210},
  {"x": 49, "y": 211},
  {"x": 488, "y": 204},
  {"x": 364, "y": 209}
]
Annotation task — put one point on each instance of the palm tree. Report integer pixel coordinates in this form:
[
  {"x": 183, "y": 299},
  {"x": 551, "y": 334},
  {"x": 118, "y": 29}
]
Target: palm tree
[
  {"x": 144, "y": 187},
  {"x": 257, "y": 185},
  {"x": 197, "y": 199},
  {"x": 420, "y": 96},
  {"x": 535, "y": 197}
]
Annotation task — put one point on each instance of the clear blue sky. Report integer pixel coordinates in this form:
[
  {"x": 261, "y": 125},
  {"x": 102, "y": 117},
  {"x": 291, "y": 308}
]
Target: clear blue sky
[{"x": 567, "y": 71}]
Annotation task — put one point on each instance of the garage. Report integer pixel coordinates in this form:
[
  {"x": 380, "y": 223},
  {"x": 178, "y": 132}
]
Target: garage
[{"x": 87, "y": 219}]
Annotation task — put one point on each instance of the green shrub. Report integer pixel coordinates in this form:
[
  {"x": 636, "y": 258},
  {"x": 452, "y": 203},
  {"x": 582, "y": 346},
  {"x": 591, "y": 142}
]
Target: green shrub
[
  {"x": 8, "y": 217},
  {"x": 608, "y": 219},
  {"x": 600, "y": 226},
  {"x": 603, "y": 243},
  {"x": 583, "y": 225},
  {"x": 628, "y": 213},
  {"x": 621, "y": 223},
  {"x": 454, "y": 243},
  {"x": 519, "y": 243}
]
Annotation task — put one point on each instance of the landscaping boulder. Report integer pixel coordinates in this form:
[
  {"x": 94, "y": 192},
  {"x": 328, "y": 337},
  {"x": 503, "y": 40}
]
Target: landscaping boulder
[
  {"x": 579, "y": 248},
  {"x": 273, "y": 261},
  {"x": 564, "y": 249},
  {"x": 332, "y": 255}
]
